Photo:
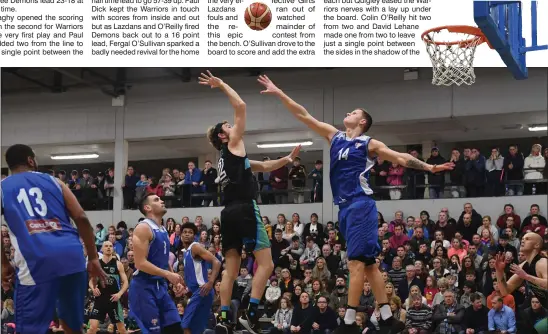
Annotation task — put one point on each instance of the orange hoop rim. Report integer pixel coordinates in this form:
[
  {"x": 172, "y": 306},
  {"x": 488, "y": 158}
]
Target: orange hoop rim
[{"x": 478, "y": 38}]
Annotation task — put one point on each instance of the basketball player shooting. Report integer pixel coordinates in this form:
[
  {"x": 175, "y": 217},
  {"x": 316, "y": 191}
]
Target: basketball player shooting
[
  {"x": 241, "y": 222},
  {"x": 534, "y": 272},
  {"x": 352, "y": 156}
]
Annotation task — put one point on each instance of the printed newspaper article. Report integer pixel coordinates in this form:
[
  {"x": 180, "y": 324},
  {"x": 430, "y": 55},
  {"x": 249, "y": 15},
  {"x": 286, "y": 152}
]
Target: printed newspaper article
[{"x": 306, "y": 32}]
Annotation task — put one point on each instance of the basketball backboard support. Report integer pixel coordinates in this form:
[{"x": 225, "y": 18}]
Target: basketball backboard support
[{"x": 501, "y": 23}]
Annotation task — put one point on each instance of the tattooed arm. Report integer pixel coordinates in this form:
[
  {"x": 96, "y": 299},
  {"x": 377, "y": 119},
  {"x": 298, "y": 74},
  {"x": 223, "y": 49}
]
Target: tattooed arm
[{"x": 402, "y": 159}]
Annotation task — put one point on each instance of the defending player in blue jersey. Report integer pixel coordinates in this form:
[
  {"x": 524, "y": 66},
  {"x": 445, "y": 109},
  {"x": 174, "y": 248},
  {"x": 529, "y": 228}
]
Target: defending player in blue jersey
[
  {"x": 49, "y": 258},
  {"x": 196, "y": 261},
  {"x": 352, "y": 157},
  {"x": 149, "y": 301}
]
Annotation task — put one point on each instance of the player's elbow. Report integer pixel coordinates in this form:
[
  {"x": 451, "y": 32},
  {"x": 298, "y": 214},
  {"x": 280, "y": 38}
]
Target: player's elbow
[{"x": 240, "y": 106}]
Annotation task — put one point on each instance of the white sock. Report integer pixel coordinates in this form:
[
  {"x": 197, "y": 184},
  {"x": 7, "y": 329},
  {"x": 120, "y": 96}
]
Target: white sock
[
  {"x": 350, "y": 316},
  {"x": 386, "y": 312}
]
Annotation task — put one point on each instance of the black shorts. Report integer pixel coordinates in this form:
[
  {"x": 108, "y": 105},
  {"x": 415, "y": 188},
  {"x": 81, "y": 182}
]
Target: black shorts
[
  {"x": 103, "y": 307},
  {"x": 242, "y": 225}
]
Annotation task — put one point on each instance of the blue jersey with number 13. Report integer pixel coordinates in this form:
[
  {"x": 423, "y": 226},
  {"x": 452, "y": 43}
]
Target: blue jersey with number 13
[
  {"x": 350, "y": 167},
  {"x": 46, "y": 244}
]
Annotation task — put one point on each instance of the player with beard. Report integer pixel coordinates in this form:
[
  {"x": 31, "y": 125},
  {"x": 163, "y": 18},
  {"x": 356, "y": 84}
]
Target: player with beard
[
  {"x": 149, "y": 301},
  {"x": 241, "y": 221},
  {"x": 48, "y": 253},
  {"x": 107, "y": 299},
  {"x": 534, "y": 272}
]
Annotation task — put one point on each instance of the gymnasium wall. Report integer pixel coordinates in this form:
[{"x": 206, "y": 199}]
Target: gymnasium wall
[
  {"x": 492, "y": 206},
  {"x": 171, "y": 108}
]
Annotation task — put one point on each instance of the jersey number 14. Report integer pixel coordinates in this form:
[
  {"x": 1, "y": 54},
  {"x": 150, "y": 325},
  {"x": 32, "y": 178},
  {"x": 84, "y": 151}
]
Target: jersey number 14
[
  {"x": 343, "y": 153},
  {"x": 41, "y": 208}
]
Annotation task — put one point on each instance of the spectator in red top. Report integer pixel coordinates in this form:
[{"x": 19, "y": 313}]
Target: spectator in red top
[
  {"x": 535, "y": 226},
  {"x": 278, "y": 181},
  {"x": 155, "y": 188},
  {"x": 395, "y": 178},
  {"x": 398, "y": 238},
  {"x": 509, "y": 212}
]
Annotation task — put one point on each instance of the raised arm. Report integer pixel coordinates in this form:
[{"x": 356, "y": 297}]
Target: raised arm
[
  {"x": 404, "y": 159},
  {"x": 323, "y": 129},
  {"x": 506, "y": 287},
  {"x": 235, "y": 100},
  {"x": 268, "y": 166}
]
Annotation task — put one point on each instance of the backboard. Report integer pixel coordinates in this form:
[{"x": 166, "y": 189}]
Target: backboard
[{"x": 501, "y": 23}]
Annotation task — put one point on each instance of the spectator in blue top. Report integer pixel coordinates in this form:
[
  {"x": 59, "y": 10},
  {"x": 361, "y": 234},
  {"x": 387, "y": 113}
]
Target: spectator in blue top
[
  {"x": 475, "y": 174},
  {"x": 501, "y": 318},
  {"x": 118, "y": 248},
  {"x": 192, "y": 178}
]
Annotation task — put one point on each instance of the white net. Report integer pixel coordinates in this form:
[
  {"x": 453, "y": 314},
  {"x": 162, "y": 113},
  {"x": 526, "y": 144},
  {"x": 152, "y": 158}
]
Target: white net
[{"x": 452, "y": 55}]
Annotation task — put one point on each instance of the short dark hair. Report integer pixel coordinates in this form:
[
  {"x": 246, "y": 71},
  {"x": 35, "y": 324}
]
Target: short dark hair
[
  {"x": 18, "y": 155},
  {"x": 144, "y": 201},
  {"x": 190, "y": 226},
  {"x": 474, "y": 296},
  {"x": 368, "y": 120}
]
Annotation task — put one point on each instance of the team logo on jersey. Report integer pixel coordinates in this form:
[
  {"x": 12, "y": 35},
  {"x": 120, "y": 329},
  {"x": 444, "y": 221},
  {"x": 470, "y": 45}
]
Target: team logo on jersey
[
  {"x": 111, "y": 270},
  {"x": 43, "y": 225},
  {"x": 358, "y": 145},
  {"x": 154, "y": 322}
]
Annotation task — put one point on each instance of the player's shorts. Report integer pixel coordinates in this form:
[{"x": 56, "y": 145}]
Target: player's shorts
[
  {"x": 35, "y": 304},
  {"x": 103, "y": 307},
  {"x": 242, "y": 225},
  {"x": 358, "y": 224},
  {"x": 151, "y": 306},
  {"x": 197, "y": 312}
]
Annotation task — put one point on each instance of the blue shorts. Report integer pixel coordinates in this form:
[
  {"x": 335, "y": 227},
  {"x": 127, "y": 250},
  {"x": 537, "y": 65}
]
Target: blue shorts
[
  {"x": 358, "y": 223},
  {"x": 197, "y": 312},
  {"x": 34, "y": 309},
  {"x": 151, "y": 305}
]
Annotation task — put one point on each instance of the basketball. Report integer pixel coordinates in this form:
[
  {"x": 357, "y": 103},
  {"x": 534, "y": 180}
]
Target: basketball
[{"x": 257, "y": 16}]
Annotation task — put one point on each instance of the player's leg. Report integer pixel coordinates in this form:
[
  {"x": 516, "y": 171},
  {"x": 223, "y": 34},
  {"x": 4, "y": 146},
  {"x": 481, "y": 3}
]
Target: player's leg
[
  {"x": 191, "y": 313},
  {"x": 232, "y": 246},
  {"x": 33, "y": 311},
  {"x": 143, "y": 307},
  {"x": 170, "y": 319},
  {"x": 265, "y": 266},
  {"x": 97, "y": 315},
  {"x": 116, "y": 316},
  {"x": 71, "y": 301},
  {"x": 201, "y": 318}
]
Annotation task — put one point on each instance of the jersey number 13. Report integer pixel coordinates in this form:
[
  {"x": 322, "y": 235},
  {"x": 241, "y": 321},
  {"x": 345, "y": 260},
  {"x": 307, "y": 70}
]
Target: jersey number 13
[{"x": 40, "y": 206}]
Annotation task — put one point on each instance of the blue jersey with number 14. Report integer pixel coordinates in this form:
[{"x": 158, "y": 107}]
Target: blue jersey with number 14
[
  {"x": 46, "y": 244},
  {"x": 158, "y": 250},
  {"x": 350, "y": 167}
]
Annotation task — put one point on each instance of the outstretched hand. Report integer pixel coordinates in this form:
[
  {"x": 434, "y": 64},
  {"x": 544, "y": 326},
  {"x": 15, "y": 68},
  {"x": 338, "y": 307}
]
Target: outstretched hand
[
  {"x": 270, "y": 87},
  {"x": 500, "y": 263},
  {"x": 209, "y": 80},
  {"x": 294, "y": 153},
  {"x": 444, "y": 167}
]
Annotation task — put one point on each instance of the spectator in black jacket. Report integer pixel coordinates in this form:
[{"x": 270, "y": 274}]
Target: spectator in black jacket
[
  {"x": 475, "y": 174},
  {"x": 415, "y": 179},
  {"x": 316, "y": 194},
  {"x": 380, "y": 173},
  {"x": 324, "y": 319},
  {"x": 436, "y": 181},
  {"x": 209, "y": 175},
  {"x": 532, "y": 316},
  {"x": 513, "y": 169},
  {"x": 130, "y": 184},
  {"x": 367, "y": 300},
  {"x": 475, "y": 316},
  {"x": 303, "y": 315},
  {"x": 410, "y": 280},
  {"x": 457, "y": 174},
  {"x": 315, "y": 230},
  {"x": 477, "y": 219}
]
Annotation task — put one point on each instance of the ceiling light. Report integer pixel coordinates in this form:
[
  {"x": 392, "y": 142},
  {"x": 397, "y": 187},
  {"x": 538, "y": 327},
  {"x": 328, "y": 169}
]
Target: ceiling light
[
  {"x": 538, "y": 128},
  {"x": 75, "y": 156},
  {"x": 292, "y": 144}
]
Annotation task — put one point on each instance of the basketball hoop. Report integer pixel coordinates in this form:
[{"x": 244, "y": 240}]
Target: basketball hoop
[{"x": 452, "y": 49}]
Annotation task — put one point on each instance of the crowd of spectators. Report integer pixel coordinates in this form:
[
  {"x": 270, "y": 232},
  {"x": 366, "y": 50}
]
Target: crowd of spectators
[
  {"x": 439, "y": 272},
  {"x": 475, "y": 175}
]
